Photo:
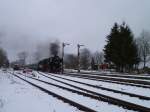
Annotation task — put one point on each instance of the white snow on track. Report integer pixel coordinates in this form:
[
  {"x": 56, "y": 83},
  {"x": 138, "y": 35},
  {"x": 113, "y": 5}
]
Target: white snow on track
[
  {"x": 120, "y": 87},
  {"x": 117, "y": 75},
  {"x": 109, "y": 93},
  {"x": 107, "y": 76},
  {"x": 99, "y": 106},
  {"x": 18, "y": 96}
]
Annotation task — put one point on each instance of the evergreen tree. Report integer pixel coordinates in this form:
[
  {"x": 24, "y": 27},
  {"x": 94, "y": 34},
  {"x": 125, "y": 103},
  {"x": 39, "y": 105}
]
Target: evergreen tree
[
  {"x": 121, "y": 49},
  {"x": 110, "y": 50}
]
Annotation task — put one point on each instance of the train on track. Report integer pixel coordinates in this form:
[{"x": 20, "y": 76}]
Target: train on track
[{"x": 52, "y": 64}]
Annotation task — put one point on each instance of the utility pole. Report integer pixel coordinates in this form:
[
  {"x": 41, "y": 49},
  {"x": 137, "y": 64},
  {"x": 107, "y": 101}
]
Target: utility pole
[
  {"x": 78, "y": 46},
  {"x": 63, "y": 46}
]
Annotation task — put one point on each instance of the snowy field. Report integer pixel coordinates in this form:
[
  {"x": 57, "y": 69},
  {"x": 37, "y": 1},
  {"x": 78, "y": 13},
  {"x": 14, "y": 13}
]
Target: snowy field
[
  {"x": 125, "y": 88},
  {"x": 106, "y": 72},
  {"x": 17, "y": 95},
  {"x": 114, "y": 77},
  {"x": 115, "y": 95}
]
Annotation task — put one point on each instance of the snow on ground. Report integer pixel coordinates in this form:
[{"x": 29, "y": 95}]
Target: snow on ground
[
  {"x": 125, "y": 88},
  {"x": 88, "y": 71},
  {"x": 113, "y": 74},
  {"x": 113, "y": 77},
  {"x": 99, "y": 106},
  {"x": 106, "y": 72},
  {"x": 109, "y": 93},
  {"x": 18, "y": 96}
]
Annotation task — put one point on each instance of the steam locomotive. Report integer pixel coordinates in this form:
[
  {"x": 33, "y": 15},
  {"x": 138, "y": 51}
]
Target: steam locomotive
[{"x": 52, "y": 64}]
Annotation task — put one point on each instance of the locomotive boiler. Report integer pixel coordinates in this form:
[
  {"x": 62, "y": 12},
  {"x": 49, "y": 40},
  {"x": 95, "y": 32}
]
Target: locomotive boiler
[{"x": 52, "y": 64}]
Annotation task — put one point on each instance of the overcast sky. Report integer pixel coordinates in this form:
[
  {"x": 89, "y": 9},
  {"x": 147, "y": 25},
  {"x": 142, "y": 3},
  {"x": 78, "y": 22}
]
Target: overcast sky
[{"x": 25, "y": 23}]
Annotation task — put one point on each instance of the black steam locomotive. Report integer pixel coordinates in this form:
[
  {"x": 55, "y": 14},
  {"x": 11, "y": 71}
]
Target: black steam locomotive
[{"x": 52, "y": 64}]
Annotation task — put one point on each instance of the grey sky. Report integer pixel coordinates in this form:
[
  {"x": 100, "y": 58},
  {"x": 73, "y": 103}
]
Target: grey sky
[{"x": 24, "y": 23}]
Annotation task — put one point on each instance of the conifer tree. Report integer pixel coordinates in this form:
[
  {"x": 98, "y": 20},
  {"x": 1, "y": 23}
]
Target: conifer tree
[{"x": 121, "y": 49}]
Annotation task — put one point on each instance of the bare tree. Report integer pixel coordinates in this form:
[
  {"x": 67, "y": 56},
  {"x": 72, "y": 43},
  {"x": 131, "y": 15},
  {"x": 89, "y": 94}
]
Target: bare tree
[
  {"x": 92, "y": 64},
  {"x": 144, "y": 47},
  {"x": 3, "y": 55},
  {"x": 85, "y": 58},
  {"x": 3, "y": 58},
  {"x": 98, "y": 57},
  {"x": 71, "y": 61}
]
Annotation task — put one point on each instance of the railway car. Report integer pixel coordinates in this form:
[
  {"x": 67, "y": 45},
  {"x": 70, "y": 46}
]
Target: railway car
[{"x": 52, "y": 64}]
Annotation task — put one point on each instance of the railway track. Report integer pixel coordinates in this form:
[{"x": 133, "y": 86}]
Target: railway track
[
  {"x": 113, "y": 75},
  {"x": 135, "y": 89},
  {"x": 103, "y": 88},
  {"x": 104, "y": 97},
  {"x": 93, "y": 95},
  {"x": 106, "y": 80},
  {"x": 75, "y": 104},
  {"x": 82, "y": 93},
  {"x": 116, "y": 79}
]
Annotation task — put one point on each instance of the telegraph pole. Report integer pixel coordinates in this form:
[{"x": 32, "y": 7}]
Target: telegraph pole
[
  {"x": 78, "y": 46},
  {"x": 63, "y": 46}
]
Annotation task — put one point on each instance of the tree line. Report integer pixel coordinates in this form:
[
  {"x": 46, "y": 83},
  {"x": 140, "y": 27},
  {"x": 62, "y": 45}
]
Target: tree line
[
  {"x": 122, "y": 51},
  {"x": 70, "y": 60}
]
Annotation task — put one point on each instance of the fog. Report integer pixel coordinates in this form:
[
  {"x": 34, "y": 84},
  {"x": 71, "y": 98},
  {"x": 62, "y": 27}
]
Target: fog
[{"x": 25, "y": 24}]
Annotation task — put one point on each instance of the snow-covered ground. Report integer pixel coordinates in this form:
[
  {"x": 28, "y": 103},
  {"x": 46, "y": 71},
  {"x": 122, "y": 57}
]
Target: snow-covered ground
[
  {"x": 88, "y": 71},
  {"x": 108, "y": 93},
  {"x": 18, "y": 96},
  {"x": 113, "y": 77},
  {"x": 99, "y": 106},
  {"x": 106, "y": 72},
  {"x": 120, "y": 87},
  {"x": 113, "y": 74}
]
